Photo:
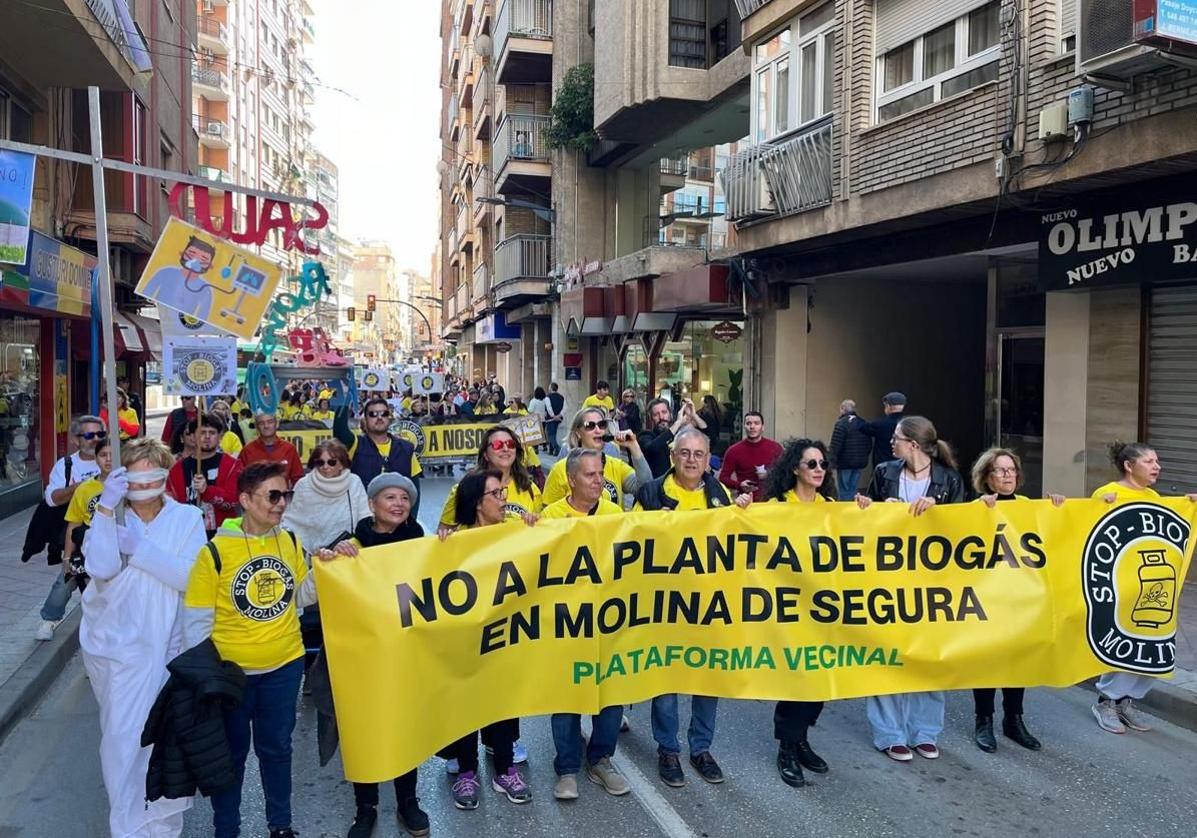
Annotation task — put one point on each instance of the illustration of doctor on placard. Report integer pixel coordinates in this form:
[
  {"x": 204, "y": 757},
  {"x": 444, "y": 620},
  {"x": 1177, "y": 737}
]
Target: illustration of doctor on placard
[{"x": 184, "y": 288}]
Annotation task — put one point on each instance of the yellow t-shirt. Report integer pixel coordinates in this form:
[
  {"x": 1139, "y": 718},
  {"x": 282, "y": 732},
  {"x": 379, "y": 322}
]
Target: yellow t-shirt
[
  {"x": 518, "y": 502},
  {"x": 325, "y": 394},
  {"x": 237, "y": 406},
  {"x": 792, "y": 497},
  {"x": 83, "y": 502},
  {"x": 606, "y": 403},
  {"x": 385, "y": 451},
  {"x": 486, "y": 411},
  {"x": 256, "y": 624},
  {"x": 688, "y": 500},
  {"x": 230, "y": 444},
  {"x": 322, "y": 415},
  {"x": 1125, "y": 492},
  {"x": 287, "y": 412},
  {"x": 562, "y": 509},
  {"x": 615, "y": 472}
]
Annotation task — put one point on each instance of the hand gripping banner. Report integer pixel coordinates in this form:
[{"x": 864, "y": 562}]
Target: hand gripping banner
[{"x": 428, "y": 640}]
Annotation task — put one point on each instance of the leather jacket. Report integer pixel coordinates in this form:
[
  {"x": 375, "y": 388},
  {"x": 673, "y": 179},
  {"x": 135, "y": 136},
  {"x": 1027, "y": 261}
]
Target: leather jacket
[{"x": 946, "y": 484}]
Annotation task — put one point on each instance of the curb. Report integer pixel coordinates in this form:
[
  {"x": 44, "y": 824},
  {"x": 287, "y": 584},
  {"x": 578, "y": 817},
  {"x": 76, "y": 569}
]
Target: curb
[{"x": 22, "y": 691}]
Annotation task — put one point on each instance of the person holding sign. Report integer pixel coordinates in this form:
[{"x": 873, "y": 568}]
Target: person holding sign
[
  {"x": 689, "y": 485},
  {"x": 800, "y": 475},
  {"x": 207, "y": 478},
  {"x": 923, "y": 475},
  {"x": 589, "y": 430},
  {"x": 482, "y": 502},
  {"x": 502, "y": 451}
]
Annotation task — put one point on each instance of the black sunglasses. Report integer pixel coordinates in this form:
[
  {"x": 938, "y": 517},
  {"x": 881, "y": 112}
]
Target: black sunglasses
[
  {"x": 329, "y": 463},
  {"x": 591, "y": 425},
  {"x": 812, "y": 464},
  {"x": 379, "y": 414},
  {"x": 90, "y": 435},
  {"x": 275, "y": 495}
]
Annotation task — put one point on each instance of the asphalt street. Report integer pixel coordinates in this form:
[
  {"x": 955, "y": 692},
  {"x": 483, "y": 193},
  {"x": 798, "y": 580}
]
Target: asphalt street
[{"x": 1084, "y": 782}]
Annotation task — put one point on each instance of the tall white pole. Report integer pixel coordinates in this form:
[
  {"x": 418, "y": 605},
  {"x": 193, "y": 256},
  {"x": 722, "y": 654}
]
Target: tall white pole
[{"x": 104, "y": 274}]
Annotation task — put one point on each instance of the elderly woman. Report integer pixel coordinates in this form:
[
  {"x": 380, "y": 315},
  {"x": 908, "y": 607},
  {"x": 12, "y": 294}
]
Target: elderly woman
[
  {"x": 131, "y": 627},
  {"x": 329, "y": 500},
  {"x": 591, "y": 429}
]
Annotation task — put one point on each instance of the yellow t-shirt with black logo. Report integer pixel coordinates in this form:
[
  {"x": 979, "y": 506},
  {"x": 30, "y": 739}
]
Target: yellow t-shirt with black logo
[
  {"x": 1125, "y": 492},
  {"x": 518, "y": 502},
  {"x": 562, "y": 509},
  {"x": 615, "y": 472},
  {"x": 256, "y": 624},
  {"x": 83, "y": 502},
  {"x": 688, "y": 500}
]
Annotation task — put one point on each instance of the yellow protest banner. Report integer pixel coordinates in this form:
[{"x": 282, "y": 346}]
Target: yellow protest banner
[
  {"x": 305, "y": 440},
  {"x": 429, "y": 640},
  {"x": 461, "y": 441}
]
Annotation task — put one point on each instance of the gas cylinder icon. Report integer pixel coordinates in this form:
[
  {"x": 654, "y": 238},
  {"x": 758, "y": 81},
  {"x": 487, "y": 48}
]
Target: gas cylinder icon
[{"x": 1157, "y": 590}]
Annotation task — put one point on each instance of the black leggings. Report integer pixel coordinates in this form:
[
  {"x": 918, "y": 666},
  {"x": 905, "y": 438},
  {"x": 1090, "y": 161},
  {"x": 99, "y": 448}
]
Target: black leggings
[
  {"x": 1011, "y": 700},
  {"x": 792, "y": 718},
  {"x": 366, "y": 794},
  {"x": 499, "y": 737}
]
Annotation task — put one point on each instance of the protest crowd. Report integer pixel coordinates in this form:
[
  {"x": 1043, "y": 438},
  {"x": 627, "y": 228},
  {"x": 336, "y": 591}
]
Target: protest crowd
[{"x": 194, "y": 556}]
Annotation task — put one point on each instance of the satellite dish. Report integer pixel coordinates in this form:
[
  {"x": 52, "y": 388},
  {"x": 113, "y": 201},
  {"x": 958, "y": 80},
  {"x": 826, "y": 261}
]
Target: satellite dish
[{"x": 483, "y": 47}]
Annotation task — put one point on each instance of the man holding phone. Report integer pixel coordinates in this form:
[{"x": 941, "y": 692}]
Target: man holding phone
[{"x": 746, "y": 463}]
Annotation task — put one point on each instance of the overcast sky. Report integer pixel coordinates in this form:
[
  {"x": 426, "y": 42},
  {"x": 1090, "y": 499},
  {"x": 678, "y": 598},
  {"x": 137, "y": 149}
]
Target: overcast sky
[{"x": 386, "y": 53}]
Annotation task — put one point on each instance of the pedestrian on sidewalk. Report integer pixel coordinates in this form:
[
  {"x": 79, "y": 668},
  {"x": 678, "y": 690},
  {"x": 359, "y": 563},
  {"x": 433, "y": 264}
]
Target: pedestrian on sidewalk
[
  {"x": 1138, "y": 467},
  {"x": 849, "y": 450},
  {"x": 257, "y": 628},
  {"x": 132, "y": 614},
  {"x": 177, "y": 418},
  {"x": 746, "y": 463},
  {"x": 65, "y": 479},
  {"x": 556, "y": 415}
]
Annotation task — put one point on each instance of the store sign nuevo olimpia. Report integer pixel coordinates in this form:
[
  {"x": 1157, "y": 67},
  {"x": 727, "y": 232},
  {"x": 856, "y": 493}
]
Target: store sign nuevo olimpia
[{"x": 1118, "y": 245}]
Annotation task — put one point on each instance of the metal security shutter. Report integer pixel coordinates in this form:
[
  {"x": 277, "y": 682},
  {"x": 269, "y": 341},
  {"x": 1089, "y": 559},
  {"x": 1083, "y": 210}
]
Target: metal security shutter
[
  {"x": 899, "y": 21},
  {"x": 1067, "y": 18},
  {"x": 1172, "y": 385}
]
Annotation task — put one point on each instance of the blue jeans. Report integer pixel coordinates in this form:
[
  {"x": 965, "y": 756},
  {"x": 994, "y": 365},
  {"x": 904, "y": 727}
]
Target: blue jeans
[
  {"x": 905, "y": 719},
  {"x": 269, "y": 708},
  {"x": 567, "y": 738},
  {"x": 702, "y": 723},
  {"x": 846, "y": 481},
  {"x": 54, "y": 608},
  {"x": 550, "y": 431}
]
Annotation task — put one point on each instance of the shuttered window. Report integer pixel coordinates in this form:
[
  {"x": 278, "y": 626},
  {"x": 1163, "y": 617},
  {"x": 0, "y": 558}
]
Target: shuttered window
[
  {"x": 1172, "y": 386},
  {"x": 1068, "y": 25},
  {"x": 899, "y": 21}
]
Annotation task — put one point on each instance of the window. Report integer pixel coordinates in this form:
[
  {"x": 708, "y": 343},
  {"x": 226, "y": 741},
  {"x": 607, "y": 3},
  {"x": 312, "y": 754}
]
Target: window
[
  {"x": 139, "y": 156},
  {"x": 947, "y": 60},
  {"x": 794, "y": 77},
  {"x": 688, "y": 33}
]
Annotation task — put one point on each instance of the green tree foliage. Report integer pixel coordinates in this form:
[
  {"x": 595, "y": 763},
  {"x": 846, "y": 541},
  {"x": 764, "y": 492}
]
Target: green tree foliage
[{"x": 572, "y": 114}]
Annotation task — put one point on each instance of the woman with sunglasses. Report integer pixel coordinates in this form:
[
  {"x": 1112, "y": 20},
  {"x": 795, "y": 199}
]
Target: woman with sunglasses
[
  {"x": 132, "y": 613},
  {"x": 482, "y": 502},
  {"x": 922, "y": 475},
  {"x": 486, "y": 404},
  {"x": 329, "y": 500},
  {"x": 800, "y": 475},
  {"x": 589, "y": 429},
  {"x": 501, "y": 451}
]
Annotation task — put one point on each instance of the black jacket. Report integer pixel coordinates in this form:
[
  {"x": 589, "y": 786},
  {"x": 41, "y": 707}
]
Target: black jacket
[
  {"x": 850, "y": 445},
  {"x": 946, "y": 485},
  {"x": 655, "y": 445},
  {"x": 882, "y": 431},
  {"x": 652, "y": 495},
  {"x": 186, "y": 726}
]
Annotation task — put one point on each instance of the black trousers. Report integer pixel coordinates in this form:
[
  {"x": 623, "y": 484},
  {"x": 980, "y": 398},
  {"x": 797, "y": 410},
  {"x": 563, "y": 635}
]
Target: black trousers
[
  {"x": 1011, "y": 700},
  {"x": 499, "y": 737},
  {"x": 366, "y": 794},
  {"x": 792, "y": 718}
]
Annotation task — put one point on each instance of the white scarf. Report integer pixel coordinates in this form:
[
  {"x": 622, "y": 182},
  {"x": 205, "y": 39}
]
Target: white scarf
[{"x": 324, "y": 508}]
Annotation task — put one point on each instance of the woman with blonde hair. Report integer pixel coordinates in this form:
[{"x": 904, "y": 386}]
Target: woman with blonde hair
[
  {"x": 591, "y": 429},
  {"x": 132, "y": 623}
]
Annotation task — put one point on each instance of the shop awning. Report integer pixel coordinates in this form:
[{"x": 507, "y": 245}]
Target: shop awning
[
  {"x": 149, "y": 332},
  {"x": 137, "y": 338}
]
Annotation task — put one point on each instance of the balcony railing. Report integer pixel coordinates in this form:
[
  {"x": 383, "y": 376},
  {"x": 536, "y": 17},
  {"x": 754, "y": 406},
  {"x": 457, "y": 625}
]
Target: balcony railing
[
  {"x": 521, "y": 137},
  {"x": 207, "y": 127},
  {"x": 671, "y": 166},
  {"x": 213, "y": 173},
  {"x": 780, "y": 179},
  {"x": 480, "y": 278},
  {"x": 452, "y": 110},
  {"x": 213, "y": 28},
  {"x": 523, "y": 19},
  {"x": 747, "y": 7},
  {"x": 522, "y": 257},
  {"x": 463, "y": 297},
  {"x": 210, "y": 77}
]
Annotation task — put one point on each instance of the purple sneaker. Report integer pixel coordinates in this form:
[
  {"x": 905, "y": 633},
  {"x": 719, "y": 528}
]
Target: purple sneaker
[
  {"x": 465, "y": 790},
  {"x": 512, "y": 784}
]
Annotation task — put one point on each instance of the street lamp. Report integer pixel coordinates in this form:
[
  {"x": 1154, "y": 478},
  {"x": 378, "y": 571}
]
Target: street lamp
[{"x": 542, "y": 212}]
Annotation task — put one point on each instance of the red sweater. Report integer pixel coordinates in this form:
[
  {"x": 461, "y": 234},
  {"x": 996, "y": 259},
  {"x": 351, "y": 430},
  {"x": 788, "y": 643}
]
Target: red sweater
[
  {"x": 219, "y": 501},
  {"x": 281, "y": 452},
  {"x": 741, "y": 460}
]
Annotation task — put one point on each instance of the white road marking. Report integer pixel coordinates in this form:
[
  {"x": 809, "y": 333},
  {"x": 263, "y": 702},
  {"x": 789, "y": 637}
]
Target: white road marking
[{"x": 658, "y": 808}]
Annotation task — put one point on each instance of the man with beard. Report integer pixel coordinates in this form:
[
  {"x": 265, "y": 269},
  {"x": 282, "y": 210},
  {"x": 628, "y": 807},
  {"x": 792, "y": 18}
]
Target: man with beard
[
  {"x": 662, "y": 427},
  {"x": 208, "y": 479}
]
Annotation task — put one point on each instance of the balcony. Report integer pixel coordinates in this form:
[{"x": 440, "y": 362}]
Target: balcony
[
  {"x": 482, "y": 106},
  {"x": 776, "y": 179},
  {"x": 463, "y": 302},
  {"x": 465, "y": 77},
  {"x": 520, "y": 154},
  {"x": 309, "y": 31},
  {"x": 524, "y": 41},
  {"x": 213, "y": 133},
  {"x": 213, "y": 34},
  {"x": 747, "y": 7},
  {"x": 481, "y": 283},
  {"x": 465, "y": 161},
  {"x": 464, "y": 228},
  {"x": 451, "y": 117},
  {"x": 211, "y": 82},
  {"x": 213, "y": 173},
  {"x": 522, "y": 269},
  {"x": 673, "y": 174}
]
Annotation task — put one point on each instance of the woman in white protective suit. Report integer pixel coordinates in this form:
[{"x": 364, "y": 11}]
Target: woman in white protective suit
[{"x": 131, "y": 625}]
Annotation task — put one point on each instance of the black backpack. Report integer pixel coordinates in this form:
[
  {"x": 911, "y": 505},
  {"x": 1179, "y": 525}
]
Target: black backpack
[{"x": 47, "y": 528}]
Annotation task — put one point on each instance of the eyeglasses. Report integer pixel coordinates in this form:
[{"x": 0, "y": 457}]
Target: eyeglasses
[
  {"x": 330, "y": 463},
  {"x": 591, "y": 425},
  {"x": 379, "y": 414},
  {"x": 896, "y": 438},
  {"x": 1006, "y": 472},
  {"x": 498, "y": 494},
  {"x": 90, "y": 435},
  {"x": 500, "y": 444},
  {"x": 814, "y": 464},
  {"x": 276, "y": 495},
  {"x": 687, "y": 454}
]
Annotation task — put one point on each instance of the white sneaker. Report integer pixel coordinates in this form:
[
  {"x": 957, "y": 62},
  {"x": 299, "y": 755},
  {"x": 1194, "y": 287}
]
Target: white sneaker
[
  {"x": 624, "y": 724},
  {"x": 1107, "y": 717},
  {"x": 1130, "y": 715},
  {"x": 45, "y": 631}
]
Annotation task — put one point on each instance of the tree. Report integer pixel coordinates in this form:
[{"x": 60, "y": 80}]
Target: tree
[{"x": 571, "y": 122}]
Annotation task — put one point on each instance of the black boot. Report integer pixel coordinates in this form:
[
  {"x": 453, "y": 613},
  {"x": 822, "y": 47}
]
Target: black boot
[
  {"x": 363, "y": 822},
  {"x": 412, "y": 817},
  {"x": 809, "y": 759},
  {"x": 1014, "y": 729},
  {"x": 984, "y": 734},
  {"x": 789, "y": 766}
]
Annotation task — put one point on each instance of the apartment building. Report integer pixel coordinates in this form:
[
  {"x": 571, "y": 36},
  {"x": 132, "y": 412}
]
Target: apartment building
[
  {"x": 981, "y": 204},
  {"x": 377, "y": 339},
  {"x": 52, "y": 52}
]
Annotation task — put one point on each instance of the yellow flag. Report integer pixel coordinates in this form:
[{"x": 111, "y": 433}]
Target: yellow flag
[{"x": 428, "y": 641}]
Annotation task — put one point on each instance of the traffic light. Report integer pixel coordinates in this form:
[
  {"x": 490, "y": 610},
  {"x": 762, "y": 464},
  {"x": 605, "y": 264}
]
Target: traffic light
[
  {"x": 371, "y": 301},
  {"x": 351, "y": 313},
  {"x": 369, "y": 314}
]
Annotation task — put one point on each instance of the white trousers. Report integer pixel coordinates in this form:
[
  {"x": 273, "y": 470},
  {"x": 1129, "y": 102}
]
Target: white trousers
[{"x": 1118, "y": 685}]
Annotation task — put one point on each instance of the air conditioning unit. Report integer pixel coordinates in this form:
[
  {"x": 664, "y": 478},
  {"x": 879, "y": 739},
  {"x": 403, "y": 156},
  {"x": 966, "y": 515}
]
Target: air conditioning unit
[
  {"x": 1120, "y": 39},
  {"x": 216, "y": 129}
]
